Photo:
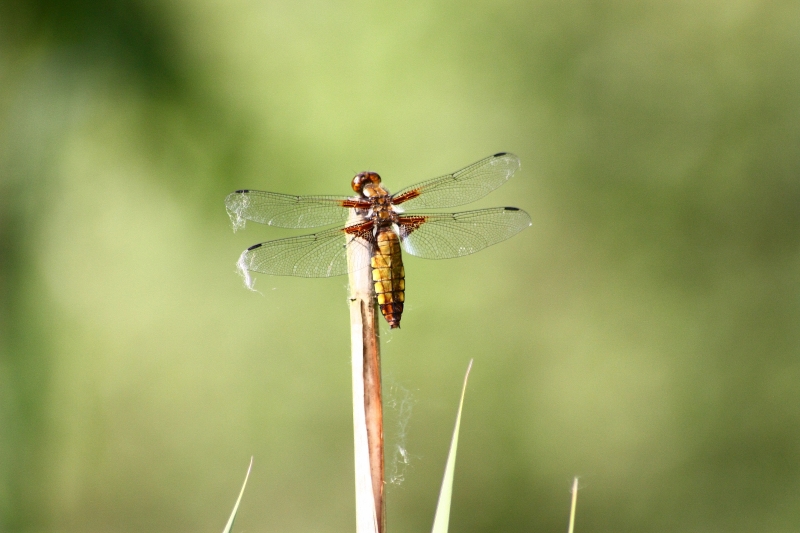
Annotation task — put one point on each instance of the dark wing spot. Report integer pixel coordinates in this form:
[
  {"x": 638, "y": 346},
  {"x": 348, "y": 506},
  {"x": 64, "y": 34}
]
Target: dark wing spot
[
  {"x": 254, "y": 246},
  {"x": 242, "y": 191},
  {"x": 512, "y": 208},
  {"x": 498, "y": 154},
  {"x": 399, "y": 199},
  {"x": 356, "y": 204},
  {"x": 359, "y": 229}
]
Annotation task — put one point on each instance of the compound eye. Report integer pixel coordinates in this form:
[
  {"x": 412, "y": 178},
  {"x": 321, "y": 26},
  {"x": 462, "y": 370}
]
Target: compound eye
[{"x": 364, "y": 178}]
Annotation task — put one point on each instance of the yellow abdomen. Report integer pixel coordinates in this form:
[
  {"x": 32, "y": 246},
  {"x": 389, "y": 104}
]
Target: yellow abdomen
[{"x": 389, "y": 276}]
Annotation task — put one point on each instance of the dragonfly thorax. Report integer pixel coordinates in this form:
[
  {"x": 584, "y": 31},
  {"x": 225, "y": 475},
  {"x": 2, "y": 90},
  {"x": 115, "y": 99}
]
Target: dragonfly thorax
[{"x": 381, "y": 212}]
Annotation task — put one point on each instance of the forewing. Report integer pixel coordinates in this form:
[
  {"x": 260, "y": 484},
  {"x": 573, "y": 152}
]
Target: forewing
[
  {"x": 446, "y": 235},
  {"x": 319, "y": 255},
  {"x": 284, "y": 210},
  {"x": 461, "y": 187}
]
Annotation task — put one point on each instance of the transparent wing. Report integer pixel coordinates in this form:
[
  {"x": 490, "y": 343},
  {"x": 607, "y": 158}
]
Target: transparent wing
[
  {"x": 446, "y": 235},
  {"x": 319, "y": 255},
  {"x": 461, "y": 187},
  {"x": 285, "y": 210}
]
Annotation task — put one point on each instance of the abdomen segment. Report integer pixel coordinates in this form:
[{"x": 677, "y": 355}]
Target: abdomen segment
[{"x": 388, "y": 276}]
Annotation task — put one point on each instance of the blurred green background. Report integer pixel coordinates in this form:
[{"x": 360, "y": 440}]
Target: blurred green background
[{"x": 643, "y": 334}]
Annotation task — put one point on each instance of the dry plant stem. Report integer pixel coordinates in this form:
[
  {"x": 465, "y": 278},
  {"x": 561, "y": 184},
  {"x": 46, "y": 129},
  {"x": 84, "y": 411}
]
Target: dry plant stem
[
  {"x": 373, "y": 406},
  {"x": 367, "y": 403}
]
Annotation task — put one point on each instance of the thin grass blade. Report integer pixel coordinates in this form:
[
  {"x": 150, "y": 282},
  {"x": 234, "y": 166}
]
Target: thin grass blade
[
  {"x": 229, "y": 525},
  {"x": 573, "y": 506},
  {"x": 441, "y": 520}
]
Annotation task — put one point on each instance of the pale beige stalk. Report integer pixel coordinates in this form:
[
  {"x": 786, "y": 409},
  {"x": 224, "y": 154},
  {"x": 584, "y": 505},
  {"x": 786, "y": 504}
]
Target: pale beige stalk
[{"x": 367, "y": 406}]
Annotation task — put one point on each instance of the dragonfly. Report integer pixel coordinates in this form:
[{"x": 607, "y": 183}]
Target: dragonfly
[{"x": 376, "y": 221}]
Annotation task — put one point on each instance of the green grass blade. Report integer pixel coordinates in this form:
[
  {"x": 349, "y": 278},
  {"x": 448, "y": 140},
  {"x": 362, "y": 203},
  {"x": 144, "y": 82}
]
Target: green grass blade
[
  {"x": 229, "y": 525},
  {"x": 573, "y": 506},
  {"x": 441, "y": 520}
]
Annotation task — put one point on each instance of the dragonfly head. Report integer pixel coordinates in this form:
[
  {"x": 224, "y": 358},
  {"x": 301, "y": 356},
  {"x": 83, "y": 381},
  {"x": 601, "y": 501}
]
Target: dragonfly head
[{"x": 365, "y": 179}]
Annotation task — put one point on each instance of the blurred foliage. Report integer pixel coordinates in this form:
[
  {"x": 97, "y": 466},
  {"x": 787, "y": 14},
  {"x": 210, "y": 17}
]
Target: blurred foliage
[{"x": 643, "y": 334}]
